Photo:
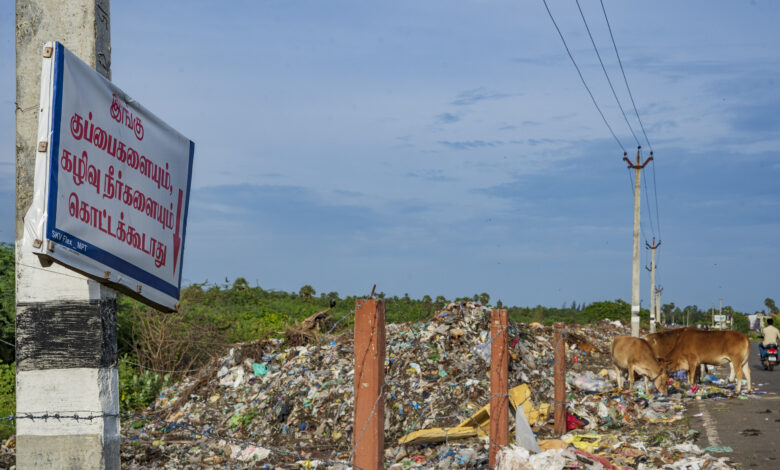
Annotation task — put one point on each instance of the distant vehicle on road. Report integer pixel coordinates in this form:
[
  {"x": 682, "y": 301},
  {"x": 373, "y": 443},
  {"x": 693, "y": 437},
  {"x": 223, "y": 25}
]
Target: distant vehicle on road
[{"x": 769, "y": 359}]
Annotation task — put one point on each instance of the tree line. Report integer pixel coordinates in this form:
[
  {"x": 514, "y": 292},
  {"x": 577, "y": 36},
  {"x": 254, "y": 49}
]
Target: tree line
[{"x": 238, "y": 311}]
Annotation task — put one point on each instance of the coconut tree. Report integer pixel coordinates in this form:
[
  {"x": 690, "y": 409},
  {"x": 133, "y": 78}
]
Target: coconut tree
[
  {"x": 770, "y": 305},
  {"x": 307, "y": 292}
]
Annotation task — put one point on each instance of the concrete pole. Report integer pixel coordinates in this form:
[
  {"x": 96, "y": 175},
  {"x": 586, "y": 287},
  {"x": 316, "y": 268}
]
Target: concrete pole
[
  {"x": 499, "y": 385},
  {"x": 658, "y": 305},
  {"x": 652, "y": 291},
  {"x": 653, "y": 313},
  {"x": 635, "y": 270},
  {"x": 66, "y": 349},
  {"x": 368, "y": 431}
]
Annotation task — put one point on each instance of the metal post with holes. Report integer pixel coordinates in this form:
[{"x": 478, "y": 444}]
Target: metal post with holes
[
  {"x": 368, "y": 432},
  {"x": 499, "y": 384}
]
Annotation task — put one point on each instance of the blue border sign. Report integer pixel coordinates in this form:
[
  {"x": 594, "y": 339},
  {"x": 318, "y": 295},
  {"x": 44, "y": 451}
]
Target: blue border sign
[{"x": 112, "y": 184}]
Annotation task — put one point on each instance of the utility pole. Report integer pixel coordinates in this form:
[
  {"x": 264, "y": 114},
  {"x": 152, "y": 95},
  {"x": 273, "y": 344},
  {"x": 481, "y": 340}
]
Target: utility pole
[
  {"x": 653, "y": 310},
  {"x": 66, "y": 344},
  {"x": 658, "y": 291},
  {"x": 712, "y": 315},
  {"x": 635, "y": 272}
]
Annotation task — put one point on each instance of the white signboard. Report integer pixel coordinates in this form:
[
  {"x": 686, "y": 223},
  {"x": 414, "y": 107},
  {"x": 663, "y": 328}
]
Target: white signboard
[
  {"x": 112, "y": 183},
  {"x": 720, "y": 318}
]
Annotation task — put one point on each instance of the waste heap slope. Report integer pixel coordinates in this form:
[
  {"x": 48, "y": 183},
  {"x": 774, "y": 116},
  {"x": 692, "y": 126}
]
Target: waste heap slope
[{"x": 272, "y": 404}]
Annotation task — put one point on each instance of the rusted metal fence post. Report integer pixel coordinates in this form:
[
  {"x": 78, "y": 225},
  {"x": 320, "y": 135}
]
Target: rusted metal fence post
[
  {"x": 368, "y": 433},
  {"x": 499, "y": 385},
  {"x": 560, "y": 379}
]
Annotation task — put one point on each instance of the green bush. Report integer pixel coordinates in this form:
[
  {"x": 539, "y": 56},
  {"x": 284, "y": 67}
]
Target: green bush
[
  {"x": 138, "y": 388},
  {"x": 7, "y": 302},
  {"x": 741, "y": 323},
  {"x": 7, "y": 399}
]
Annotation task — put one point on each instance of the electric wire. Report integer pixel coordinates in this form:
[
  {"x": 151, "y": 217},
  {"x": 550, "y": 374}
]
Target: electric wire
[
  {"x": 636, "y": 112},
  {"x": 620, "y": 62},
  {"x": 546, "y": 6},
  {"x": 639, "y": 119},
  {"x": 611, "y": 87}
]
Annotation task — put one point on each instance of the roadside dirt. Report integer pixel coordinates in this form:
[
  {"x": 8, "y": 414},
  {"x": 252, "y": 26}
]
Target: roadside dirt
[{"x": 750, "y": 427}]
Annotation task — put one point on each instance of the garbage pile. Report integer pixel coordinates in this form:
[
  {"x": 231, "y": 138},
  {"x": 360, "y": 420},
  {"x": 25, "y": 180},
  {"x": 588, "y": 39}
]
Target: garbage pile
[{"x": 268, "y": 404}]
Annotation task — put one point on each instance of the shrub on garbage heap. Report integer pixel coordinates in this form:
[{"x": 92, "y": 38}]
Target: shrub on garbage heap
[{"x": 138, "y": 387}]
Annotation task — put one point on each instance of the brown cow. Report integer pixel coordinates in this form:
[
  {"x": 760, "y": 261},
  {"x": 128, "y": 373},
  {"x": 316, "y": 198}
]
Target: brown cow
[
  {"x": 715, "y": 348},
  {"x": 664, "y": 341},
  {"x": 636, "y": 355}
]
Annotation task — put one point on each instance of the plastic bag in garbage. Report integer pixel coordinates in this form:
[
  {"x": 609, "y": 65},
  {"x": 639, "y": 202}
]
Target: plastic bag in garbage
[
  {"x": 483, "y": 351},
  {"x": 590, "y": 382},
  {"x": 512, "y": 458},
  {"x": 260, "y": 369}
]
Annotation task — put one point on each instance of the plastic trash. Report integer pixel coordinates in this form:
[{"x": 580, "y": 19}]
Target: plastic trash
[
  {"x": 464, "y": 456},
  {"x": 699, "y": 463},
  {"x": 248, "y": 453},
  {"x": 680, "y": 375},
  {"x": 524, "y": 436},
  {"x": 572, "y": 422},
  {"x": 718, "y": 449},
  {"x": 687, "y": 448},
  {"x": 304, "y": 403},
  {"x": 233, "y": 378},
  {"x": 482, "y": 351},
  {"x": 513, "y": 458},
  {"x": 260, "y": 369},
  {"x": 589, "y": 442},
  {"x": 591, "y": 382}
]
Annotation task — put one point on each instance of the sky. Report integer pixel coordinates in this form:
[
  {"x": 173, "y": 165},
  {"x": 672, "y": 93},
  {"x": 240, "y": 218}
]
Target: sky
[{"x": 450, "y": 148}]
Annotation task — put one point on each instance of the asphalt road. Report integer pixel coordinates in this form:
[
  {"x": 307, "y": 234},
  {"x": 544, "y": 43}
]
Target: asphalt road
[{"x": 750, "y": 427}]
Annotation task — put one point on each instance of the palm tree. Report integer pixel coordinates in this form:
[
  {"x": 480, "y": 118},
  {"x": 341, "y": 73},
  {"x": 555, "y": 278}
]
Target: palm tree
[
  {"x": 484, "y": 298},
  {"x": 770, "y": 305},
  {"x": 307, "y": 292},
  {"x": 427, "y": 303}
]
